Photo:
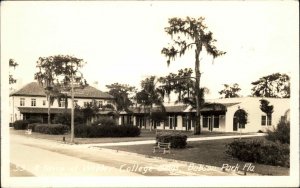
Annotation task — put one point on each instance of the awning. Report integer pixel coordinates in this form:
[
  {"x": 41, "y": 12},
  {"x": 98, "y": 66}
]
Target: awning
[{"x": 30, "y": 110}]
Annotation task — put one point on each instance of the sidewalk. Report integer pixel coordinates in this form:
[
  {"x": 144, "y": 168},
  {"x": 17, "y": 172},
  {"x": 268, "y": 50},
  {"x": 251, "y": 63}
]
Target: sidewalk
[
  {"x": 81, "y": 160},
  {"x": 189, "y": 140}
]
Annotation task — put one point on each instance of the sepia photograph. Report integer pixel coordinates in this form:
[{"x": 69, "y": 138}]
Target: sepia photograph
[{"x": 150, "y": 93}]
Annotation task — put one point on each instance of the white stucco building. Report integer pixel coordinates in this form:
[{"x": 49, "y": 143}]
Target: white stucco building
[{"x": 216, "y": 115}]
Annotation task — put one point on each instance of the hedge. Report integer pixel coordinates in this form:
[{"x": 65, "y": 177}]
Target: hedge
[
  {"x": 20, "y": 124},
  {"x": 51, "y": 129},
  {"x": 105, "y": 121},
  {"x": 23, "y": 124},
  {"x": 259, "y": 151},
  {"x": 96, "y": 131},
  {"x": 177, "y": 140},
  {"x": 281, "y": 133}
]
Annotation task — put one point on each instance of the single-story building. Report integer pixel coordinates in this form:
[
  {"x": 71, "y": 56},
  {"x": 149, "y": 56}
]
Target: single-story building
[{"x": 216, "y": 115}]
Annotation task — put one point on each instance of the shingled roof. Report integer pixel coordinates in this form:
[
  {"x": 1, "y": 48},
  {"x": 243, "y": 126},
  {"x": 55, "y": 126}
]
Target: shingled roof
[{"x": 34, "y": 89}]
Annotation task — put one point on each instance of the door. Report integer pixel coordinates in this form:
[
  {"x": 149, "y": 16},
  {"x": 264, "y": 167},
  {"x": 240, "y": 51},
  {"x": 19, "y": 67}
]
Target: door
[
  {"x": 235, "y": 124},
  {"x": 210, "y": 127}
]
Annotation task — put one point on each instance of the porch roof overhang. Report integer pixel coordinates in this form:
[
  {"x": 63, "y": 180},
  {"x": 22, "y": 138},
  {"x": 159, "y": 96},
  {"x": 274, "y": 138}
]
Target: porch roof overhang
[
  {"x": 30, "y": 110},
  {"x": 212, "y": 107}
]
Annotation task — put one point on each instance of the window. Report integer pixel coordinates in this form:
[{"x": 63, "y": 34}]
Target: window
[
  {"x": 205, "y": 122},
  {"x": 216, "y": 121},
  {"x": 184, "y": 121},
  {"x": 44, "y": 102},
  {"x": 263, "y": 120},
  {"x": 100, "y": 104},
  {"x": 269, "y": 120},
  {"x": 62, "y": 103},
  {"x": 22, "y": 102},
  {"x": 75, "y": 102},
  {"x": 172, "y": 121},
  {"x": 85, "y": 104},
  {"x": 33, "y": 102}
]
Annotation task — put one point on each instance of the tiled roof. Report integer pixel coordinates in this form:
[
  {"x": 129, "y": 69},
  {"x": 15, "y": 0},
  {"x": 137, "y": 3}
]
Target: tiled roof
[
  {"x": 183, "y": 108},
  {"x": 170, "y": 109},
  {"x": 34, "y": 89},
  {"x": 33, "y": 110}
]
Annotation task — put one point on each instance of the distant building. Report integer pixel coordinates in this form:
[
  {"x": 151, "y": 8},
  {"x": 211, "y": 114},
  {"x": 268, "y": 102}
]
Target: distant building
[
  {"x": 30, "y": 101},
  {"x": 216, "y": 115}
]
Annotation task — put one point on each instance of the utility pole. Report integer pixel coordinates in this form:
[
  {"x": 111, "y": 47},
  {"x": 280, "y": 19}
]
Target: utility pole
[{"x": 72, "y": 109}]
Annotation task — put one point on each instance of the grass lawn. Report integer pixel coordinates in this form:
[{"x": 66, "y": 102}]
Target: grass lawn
[
  {"x": 145, "y": 135},
  {"x": 205, "y": 152}
]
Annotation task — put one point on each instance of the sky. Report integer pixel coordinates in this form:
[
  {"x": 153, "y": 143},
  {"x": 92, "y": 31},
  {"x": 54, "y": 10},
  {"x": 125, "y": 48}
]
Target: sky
[{"x": 121, "y": 41}]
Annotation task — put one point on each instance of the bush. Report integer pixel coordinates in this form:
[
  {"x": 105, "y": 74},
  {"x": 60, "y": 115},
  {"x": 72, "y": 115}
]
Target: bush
[
  {"x": 97, "y": 131},
  {"x": 20, "y": 124},
  {"x": 260, "y": 131},
  {"x": 32, "y": 126},
  {"x": 259, "y": 151},
  {"x": 281, "y": 133},
  {"x": 64, "y": 118},
  {"x": 51, "y": 129},
  {"x": 177, "y": 140},
  {"x": 105, "y": 121},
  {"x": 35, "y": 120}
]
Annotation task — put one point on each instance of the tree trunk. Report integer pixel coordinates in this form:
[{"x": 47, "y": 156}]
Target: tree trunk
[{"x": 197, "y": 130}]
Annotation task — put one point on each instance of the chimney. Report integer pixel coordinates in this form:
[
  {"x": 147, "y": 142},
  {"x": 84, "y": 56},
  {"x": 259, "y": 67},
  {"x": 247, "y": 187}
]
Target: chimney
[{"x": 95, "y": 84}]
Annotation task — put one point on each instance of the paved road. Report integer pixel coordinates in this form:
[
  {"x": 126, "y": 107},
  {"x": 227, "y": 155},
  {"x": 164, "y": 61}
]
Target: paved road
[{"x": 48, "y": 158}]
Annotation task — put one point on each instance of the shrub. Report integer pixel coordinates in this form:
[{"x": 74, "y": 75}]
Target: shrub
[
  {"x": 259, "y": 151},
  {"x": 281, "y": 133},
  {"x": 32, "y": 126},
  {"x": 35, "y": 120},
  {"x": 177, "y": 140},
  {"x": 260, "y": 131},
  {"x": 96, "y": 131},
  {"x": 20, "y": 124},
  {"x": 51, "y": 129},
  {"x": 64, "y": 118},
  {"x": 105, "y": 121}
]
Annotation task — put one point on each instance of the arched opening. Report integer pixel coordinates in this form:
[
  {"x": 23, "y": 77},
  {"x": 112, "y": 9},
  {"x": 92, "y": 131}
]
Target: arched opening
[{"x": 239, "y": 119}]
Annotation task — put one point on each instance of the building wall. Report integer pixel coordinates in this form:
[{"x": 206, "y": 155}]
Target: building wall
[
  {"x": 14, "y": 103},
  {"x": 252, "y": 106}
]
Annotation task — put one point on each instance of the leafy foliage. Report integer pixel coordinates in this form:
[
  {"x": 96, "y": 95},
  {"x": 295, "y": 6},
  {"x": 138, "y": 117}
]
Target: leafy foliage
[
  {"x": 275, "y": 85},
  {"x": 150, "y": 95},
  {"x": 177, "y": 140},
  {"x": 190, "y": 34},
  {"x": 121, "y": 93},
  {"x": 105, "y": 121},
  {"x": 180, "y": 83},
  {"x": 230, "y": 91},
  {"x": 65, "y": 118},
  {"x": 97, "y": 131},
  {"x": 12, "y": 63},
  {"x": 281, "y": 133},
  {"x": 259, "y": 151},
  {"x": 55, "y": 129},
  {"x": 57, "y": 73},
  {"x": 265, "y": 107},
  {"x": 20, "y": 124}
]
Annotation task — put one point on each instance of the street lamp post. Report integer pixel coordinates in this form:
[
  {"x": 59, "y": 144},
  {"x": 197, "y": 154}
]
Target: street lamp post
[{"x": 72, "y": 109}]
